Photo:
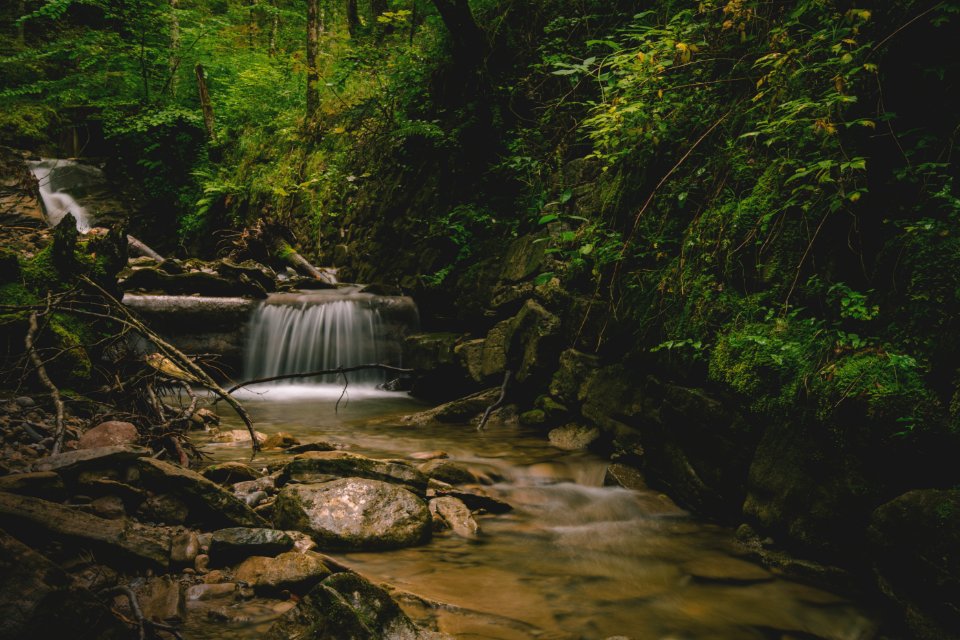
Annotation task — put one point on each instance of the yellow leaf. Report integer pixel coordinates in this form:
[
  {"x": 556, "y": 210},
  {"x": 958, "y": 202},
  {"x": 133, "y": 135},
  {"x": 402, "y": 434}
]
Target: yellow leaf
[
  {"x": 339, "y": 130},
  {"x": 853, "y": 197},
  {"x": 660, "y": 93}
]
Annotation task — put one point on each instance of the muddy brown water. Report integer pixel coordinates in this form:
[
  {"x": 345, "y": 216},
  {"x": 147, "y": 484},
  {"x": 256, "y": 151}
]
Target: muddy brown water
[{"x": 573, "y": 560}]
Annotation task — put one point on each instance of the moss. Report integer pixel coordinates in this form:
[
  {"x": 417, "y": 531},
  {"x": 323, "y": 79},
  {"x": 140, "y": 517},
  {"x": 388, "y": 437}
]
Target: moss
[
  {"x": 70, "y": 336},
  {"x": 39, "y": 272}
]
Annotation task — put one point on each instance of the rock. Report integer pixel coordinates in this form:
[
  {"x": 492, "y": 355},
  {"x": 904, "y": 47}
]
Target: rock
[
  {"x": 202, "y": 563},
  {"x": 313, "y": 446},
  {"x": 203, "y": 416},
  {"x": 322, "y": 466},
  {"x": 161, "y": 599},
  {"x": 150, "y": 279},
  {"x": 37, "y": 601},
  {"x": 165, "y": 509},
  {"x": 526, "y": 344},
  {"x": 132, "y": 497},
  {"x": 533, "y": 418},
  {"x": 41, "y": 484},
  {"x": 449, "y": 472},
  {"x": 573, "y": 370},
  {"x": 622, "y": 475},
  {"x": 428, "y": 455},
  {"x": 470, "y": 356},
  {"x": 25, "y": 402},
  {"x": 254, "y": 499},
  {"x": 717, "y": 568},
  {"x": 915, "y": 546},
  {"x": 230, "y": 472},
  {"x": 74, "y": 462},
  {"x": 456, "y": 515},
  {"x": 280, "y": 440},
  {"x": 573, "y": 437},
  {"x": 110, "y": 507},
  {"x": 210, "y": 591},
  {"x": 235, "y": 436},
  {"x": 429, "y": 351},
  {"x": 114, "y": 541},
  {"x": 346, "y": 605},
  {"x": 460, "y": 410},
  {"x": 292, "y": 571},
  {"x": 184, "y": 549},
  {"x": 476, "y": 501},
  {"x": 266, "y": 484},
  {"x": 111, "y": 433},
  {"x": 208, "y": 502},
  {"x": 354, "y": 513},
  {"x": 523, "y": 259},
  {"x": 228, "y": 546}
]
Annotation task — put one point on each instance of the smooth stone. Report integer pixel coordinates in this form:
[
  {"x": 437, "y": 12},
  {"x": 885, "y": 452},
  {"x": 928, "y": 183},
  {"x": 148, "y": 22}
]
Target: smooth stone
[
  {"x": 228, "y": 546},
  {"x": 106, "y": 434},
  {"x": 449, "y": 472},
  {"x": 293, "y": 571},
  {"x": 573, "y": 437},
  {"x": 184, "y": 549},
  {"x": 210, "y": 591},
  {"x": 110, "y": 507},
  {"x": 456, "y": 515},
  {"x": 280, "y": 440},
  {"x": 476, "y": 501},
  {"x": 230, "y": 473}
]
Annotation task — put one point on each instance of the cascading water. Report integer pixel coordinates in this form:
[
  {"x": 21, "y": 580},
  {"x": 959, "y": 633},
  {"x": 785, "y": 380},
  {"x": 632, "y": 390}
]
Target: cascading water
[
  {"x": 298, "y": 333},
  {"x": 56, "y": 177}
]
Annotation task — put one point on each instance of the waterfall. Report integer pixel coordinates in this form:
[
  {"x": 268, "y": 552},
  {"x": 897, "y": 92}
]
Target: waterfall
[
  {"x": 297, "y": 333},
  {"x": 56, "y": 177}
]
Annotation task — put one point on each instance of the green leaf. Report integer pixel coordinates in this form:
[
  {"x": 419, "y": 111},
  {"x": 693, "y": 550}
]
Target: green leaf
[{"x": 548, "y": 218}]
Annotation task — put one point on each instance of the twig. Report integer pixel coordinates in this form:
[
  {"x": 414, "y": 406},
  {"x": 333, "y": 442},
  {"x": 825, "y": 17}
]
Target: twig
[
  {"x": 499, "y": 403},
  {"x": 45, "y": 379},
  {"x": 310, "y": 374}
]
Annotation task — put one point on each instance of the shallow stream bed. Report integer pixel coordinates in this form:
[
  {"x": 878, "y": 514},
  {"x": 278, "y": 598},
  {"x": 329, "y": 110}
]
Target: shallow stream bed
[{"x": 573, "y": 560}]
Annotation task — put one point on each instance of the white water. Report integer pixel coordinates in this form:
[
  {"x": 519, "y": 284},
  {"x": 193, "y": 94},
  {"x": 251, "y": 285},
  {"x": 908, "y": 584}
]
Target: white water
[
  {"x": 55, "y": 176},
  {"x": 326, "y": 333}
]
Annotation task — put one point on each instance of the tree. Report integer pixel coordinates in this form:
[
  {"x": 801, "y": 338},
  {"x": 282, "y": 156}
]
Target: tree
[
  {"x": 313, "y": 45},
  {"x": 467, "y": 38}
]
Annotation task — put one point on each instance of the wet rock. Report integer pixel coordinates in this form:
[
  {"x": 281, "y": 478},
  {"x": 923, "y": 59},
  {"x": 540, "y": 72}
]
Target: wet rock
[
  {"x": 230, "y": 473},
  {"x": 132, "y": 496},
  {"x": 41, "y": 484},
  {"x": 449, "y": 472},
  {"x": 477, "y": 501},
  {"x": 523, "y": 259},
  {"x": 460, "y": 410},
  {"x": 533, "y": 418},
  {"x": 725, "y": 569},
  {"x": 235, "y": 436},
  {"x": 156, "y": 280},
  {"x": 165, "y": 509},
  {"x": 266, "y": 484},
  {"x": 38, "y": 603},
  {"x": 428, "y": 455},
  {"x": 573, "y": 437},
  {"x": 106, "y": 434},
  {"x": 470, "y": 356},
  {"x": 429, "y": 351},
  {"x": 74, "y": 462},
  {"x": 915, "y": 545},
  {"x": 456, "y": 515},
  {"x": 280, "y": 440},
  {"x": 255, "y": 499},
  {"x": 209, "y": 591},
  {"x": 160, "y": 599},
  {"x": 345, "y": 606},
  {"x": 313, "y": 446},
  {"x": 322, "y": 466},
  {"x": 115, "y": 541},
  {"x": 292, "y": 571},
  {"x": 622, "y": 475},
  {"x": 228, "y": 546},
  {"x": 354, "y": 513},
  {"x": 573, "y": 370},
  {"x": 184, "y": 549},
  {"x": 209, "y": 503}
]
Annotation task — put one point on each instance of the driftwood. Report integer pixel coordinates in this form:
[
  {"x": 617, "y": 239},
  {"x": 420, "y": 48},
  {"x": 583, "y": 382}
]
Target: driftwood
[
  {"x": 323, "y": 372},
  {"x": 45, "y": 379},
  {"x": 182, "y": 360},
  {"x": 138, "y": 247},
  {"x": 499, "y": 403}
]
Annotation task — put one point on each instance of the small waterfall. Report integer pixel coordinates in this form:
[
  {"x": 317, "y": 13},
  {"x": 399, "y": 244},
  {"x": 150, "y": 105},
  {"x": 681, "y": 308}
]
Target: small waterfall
[
  {"x": 56, "y": 177},
  {"x": 297, "y": 333}
]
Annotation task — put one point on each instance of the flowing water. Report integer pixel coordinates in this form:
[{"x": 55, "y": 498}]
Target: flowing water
[
  {"x": 56, "y": 177},
  {"x": 573, "y": 560}
]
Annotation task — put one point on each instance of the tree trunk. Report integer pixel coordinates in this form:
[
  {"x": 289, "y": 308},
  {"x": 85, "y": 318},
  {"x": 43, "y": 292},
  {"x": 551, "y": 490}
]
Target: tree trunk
[
  {"x": 353, "y": 18},
  {"x": 469, "y": 44},
  {"x": 174, "y": 45},
  {"x": 313, "y": 46},
  {"x": 205, "y": 103},
  {"x": 378, "y": 8}
]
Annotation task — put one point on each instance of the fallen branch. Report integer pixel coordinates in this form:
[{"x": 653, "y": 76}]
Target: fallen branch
[
  {"x": 310, "y": 374},
  {"x": 499, "y": 403},
  {"x": 174, "y": 354},
  {"x": 45, "y": 379}
]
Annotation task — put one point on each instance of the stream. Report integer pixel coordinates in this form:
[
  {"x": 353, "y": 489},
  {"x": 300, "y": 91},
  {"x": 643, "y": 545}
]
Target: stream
[{"x": 574, "y": 559}]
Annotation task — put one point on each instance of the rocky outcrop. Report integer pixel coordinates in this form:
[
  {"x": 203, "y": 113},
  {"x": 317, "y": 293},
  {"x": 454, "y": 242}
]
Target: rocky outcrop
[{"x": 354, "y": 513}]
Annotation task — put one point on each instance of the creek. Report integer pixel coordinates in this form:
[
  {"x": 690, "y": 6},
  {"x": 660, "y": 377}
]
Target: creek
[{"x": 574, "y": 559}]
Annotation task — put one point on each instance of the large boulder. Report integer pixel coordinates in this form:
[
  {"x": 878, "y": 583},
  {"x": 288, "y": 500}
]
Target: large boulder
[
  {"x": 525, "y": 344},
  {"x": 346, "y": 605},
  {"x": 291, "y": 571},
  {"x": 354, "y": 513},
  {"x": 110, "y": 433},
  {"x": 915, "y": 547},
  {"x": 117, "y": 542},
  {"x": 38, "y": 603},
  {"x": 460, "y": 410},
  {"x": 323, "y": 466},
  {"x": 208, "y": 502}
]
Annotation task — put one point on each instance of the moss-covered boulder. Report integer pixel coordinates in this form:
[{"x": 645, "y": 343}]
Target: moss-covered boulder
[{"x": 915, "y": 548}]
